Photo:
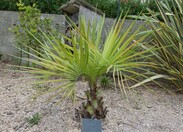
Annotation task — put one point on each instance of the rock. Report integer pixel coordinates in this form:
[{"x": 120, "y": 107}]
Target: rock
[
  {"x": 8, "y": 113},
  {"x": 149, "y": 106}
]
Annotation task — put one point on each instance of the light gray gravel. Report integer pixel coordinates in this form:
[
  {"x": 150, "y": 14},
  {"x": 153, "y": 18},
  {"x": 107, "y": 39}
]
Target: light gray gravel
[{"x": 142, "y": 111}]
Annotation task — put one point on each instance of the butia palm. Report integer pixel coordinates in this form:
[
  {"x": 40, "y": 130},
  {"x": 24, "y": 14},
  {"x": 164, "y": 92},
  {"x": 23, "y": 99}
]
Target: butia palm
[{"x": 90, "y": 56}]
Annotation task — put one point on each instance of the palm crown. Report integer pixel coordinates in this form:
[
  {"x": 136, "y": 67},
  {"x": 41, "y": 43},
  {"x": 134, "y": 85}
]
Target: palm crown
[{"x": 90, "y": 56}]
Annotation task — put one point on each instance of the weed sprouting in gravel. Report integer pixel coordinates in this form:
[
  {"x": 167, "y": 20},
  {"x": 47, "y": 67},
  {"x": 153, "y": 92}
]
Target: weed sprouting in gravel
[{"x": 34, "y": 119}]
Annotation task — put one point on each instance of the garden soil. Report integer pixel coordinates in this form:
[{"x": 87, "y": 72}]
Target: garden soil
[{"x": 143, "y": 110}]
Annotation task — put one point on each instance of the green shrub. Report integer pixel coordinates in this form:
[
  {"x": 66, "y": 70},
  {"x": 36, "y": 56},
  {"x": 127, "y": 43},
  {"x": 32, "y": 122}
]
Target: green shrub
[
  {"x": 110, "y": 7},
  {"x": 30, "y": 22},
  {"x": 9, "y": 5},
  {"x": 45, "y": 6}
]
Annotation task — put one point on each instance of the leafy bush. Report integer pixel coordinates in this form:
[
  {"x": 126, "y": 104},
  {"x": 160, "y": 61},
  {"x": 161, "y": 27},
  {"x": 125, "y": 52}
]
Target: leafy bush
[
  {"x": 30, "y": 21},
  {"x": 45, "y": 6},
  {"x": 110, "y": 7},
  {"x": 135, "y": 7},
  {"x": 9, "y": 5}
]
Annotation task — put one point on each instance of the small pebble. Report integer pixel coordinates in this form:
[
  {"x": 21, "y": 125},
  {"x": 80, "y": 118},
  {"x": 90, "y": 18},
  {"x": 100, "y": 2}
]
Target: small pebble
[{"x": 8, "y": 113}]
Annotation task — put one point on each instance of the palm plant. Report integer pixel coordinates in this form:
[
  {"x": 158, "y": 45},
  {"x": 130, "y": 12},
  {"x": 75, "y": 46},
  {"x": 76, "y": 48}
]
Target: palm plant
[
  {"x": 90, "y": 56},
  {"x": 168, "y": 38}
]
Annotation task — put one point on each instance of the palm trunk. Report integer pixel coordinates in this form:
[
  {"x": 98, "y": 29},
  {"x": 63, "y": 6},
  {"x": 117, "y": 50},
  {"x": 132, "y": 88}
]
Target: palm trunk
[
  {"x": 93, "y": 107},
  {"x": 93, "y": 90}
]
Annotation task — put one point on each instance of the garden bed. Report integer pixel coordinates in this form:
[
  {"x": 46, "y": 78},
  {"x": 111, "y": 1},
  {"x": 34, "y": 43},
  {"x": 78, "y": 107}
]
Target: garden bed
[{"x": 143, "y": 110}]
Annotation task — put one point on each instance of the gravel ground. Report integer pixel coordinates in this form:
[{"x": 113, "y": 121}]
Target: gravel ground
[{"x": 142, "y": 111}]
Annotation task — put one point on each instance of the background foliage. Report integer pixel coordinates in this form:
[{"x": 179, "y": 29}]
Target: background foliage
[
  {"x": 109, "y": 7},
  {"x": 46, "y": 6}
]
